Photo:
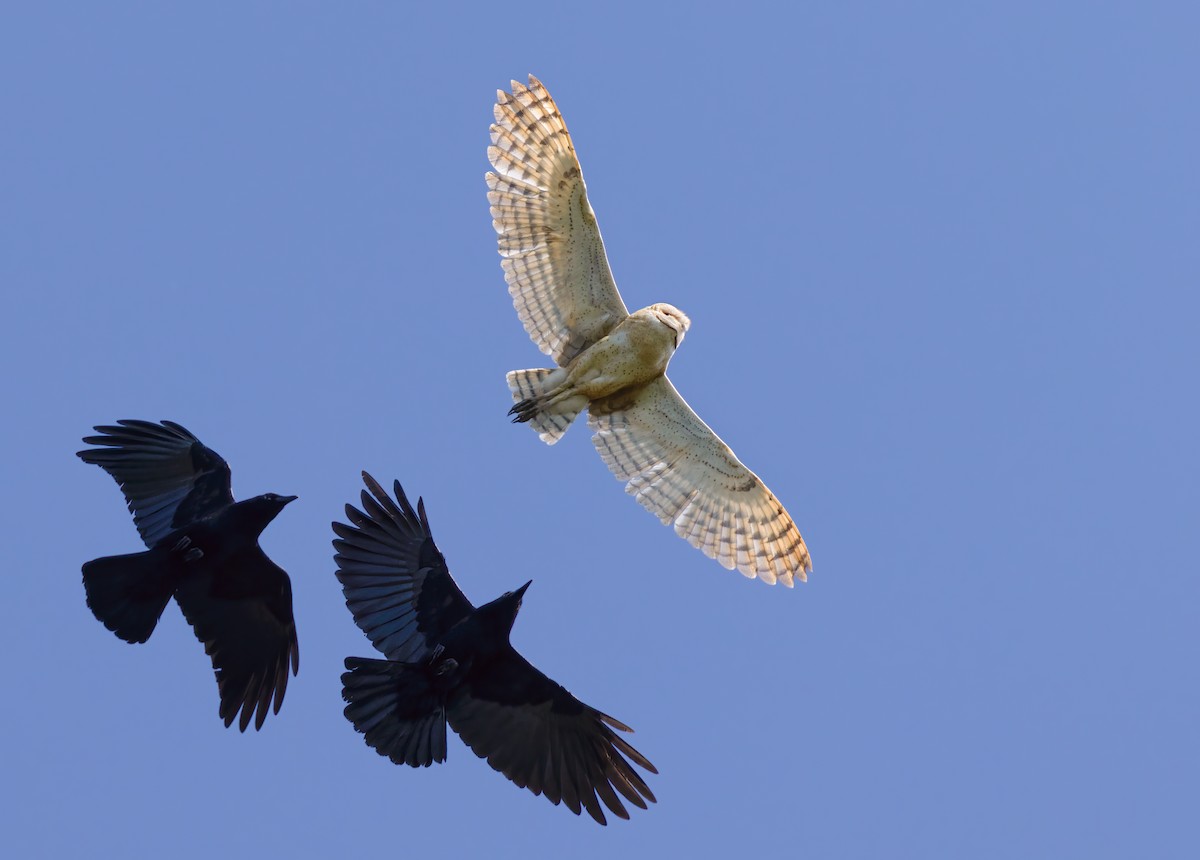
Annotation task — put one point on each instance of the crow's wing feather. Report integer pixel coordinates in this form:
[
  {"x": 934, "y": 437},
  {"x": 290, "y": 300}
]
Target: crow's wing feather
[
  {"x": 168, "y": 476},
  {"x": 394, "y": 578},
  {"x": 243, "y": 615},
  {"x": 542, "y": 738}
]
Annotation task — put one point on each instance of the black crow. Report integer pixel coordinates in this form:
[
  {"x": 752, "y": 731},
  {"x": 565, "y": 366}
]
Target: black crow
[
  {"x": 449, "y": 661},
  {"x": 203, "y": 550}
]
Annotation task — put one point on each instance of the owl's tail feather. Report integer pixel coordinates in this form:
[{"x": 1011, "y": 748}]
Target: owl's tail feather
[{"x": 539, "y": 401}]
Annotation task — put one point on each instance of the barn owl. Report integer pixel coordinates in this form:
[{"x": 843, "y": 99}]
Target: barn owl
[{"x": 611, "y": 362}]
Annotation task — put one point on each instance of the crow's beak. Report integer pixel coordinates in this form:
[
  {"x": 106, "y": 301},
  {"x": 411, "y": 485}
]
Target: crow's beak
[
  {"x": 521, "y": 591},
  {"x": 287, "y": 499}
]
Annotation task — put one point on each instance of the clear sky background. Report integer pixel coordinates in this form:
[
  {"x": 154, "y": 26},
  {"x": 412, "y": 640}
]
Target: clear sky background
[{"x": 941, "y": 261}]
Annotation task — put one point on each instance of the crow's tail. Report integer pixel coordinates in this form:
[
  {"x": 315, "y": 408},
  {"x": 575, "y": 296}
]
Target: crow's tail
[
  {"x": 536, "y": 402},
  {"x": 128, "y": 593},
  {"x": 396, "y": 708}
]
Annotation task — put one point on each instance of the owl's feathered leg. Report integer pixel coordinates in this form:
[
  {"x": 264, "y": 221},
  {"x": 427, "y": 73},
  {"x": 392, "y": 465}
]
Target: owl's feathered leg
[{"x": 542, "y": 402}]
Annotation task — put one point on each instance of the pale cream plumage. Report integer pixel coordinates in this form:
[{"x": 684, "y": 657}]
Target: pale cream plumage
[{"x": 611, "y": 362}]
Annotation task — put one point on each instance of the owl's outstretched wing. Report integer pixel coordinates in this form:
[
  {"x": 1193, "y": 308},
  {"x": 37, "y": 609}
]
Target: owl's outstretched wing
[
  {"x": 553, "y": 256},
  {"x": 682, "y": 472}
]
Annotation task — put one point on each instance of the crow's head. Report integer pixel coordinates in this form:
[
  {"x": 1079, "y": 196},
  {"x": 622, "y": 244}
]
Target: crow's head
[
  {"x": 519, "y": 593},
  {"x": 512, "y": 599},
  {"x": 262, "y": 509},
  {"x": 506, "y": 606}
]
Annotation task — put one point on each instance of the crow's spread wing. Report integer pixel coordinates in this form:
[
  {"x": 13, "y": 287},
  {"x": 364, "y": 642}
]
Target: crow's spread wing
[
  {"x": 394, "y": 578},
  {"x": 542, "y": 738},
  {"x": 243, "y": 615},
  {"x": 169, "y": 478}
]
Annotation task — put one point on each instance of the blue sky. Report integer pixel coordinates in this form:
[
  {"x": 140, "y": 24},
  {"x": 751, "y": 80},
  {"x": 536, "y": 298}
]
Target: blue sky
[{"x": 941, "y": 263}]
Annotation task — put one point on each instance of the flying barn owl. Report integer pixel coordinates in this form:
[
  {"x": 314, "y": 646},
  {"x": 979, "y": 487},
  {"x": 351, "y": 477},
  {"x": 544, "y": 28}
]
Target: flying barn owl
[{"x": 611, "y": 362}]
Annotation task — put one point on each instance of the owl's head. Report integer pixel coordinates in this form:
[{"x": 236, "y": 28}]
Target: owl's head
[{"x": 673, "y": 318}]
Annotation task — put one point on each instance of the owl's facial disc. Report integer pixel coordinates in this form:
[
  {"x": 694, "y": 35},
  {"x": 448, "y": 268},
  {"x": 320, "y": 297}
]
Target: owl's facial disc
[{"x": 673, "y": 318}]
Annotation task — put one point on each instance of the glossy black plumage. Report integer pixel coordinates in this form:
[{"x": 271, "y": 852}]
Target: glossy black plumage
[
  {"x": 203, "y": 551},
  {"x": 449, "y": 661}
]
